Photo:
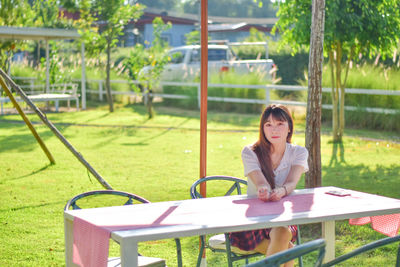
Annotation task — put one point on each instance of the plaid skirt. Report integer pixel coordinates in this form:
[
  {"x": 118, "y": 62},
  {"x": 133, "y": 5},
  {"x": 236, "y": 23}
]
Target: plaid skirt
[{"x": 248, "y": 240}]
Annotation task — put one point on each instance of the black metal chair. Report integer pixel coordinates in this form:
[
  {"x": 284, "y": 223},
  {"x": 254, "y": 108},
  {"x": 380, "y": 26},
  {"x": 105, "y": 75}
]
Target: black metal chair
[
  {"x": 92, "y": 199},
  {"x": 284, "y": 256},
  {"x": 225, "y": 186},
  {"x": 365, "y": 248}
]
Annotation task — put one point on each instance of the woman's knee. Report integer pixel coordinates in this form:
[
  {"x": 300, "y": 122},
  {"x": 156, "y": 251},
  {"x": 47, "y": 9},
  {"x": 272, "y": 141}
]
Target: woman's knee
[{"x": 281, "y": 233}]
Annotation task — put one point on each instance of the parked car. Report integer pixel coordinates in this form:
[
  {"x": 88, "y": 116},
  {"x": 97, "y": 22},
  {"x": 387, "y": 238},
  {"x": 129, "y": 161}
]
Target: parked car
[{"x": 184, "y": 63}]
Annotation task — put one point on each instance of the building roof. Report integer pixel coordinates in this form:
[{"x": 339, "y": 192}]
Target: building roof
[
  {"x": 214, "y": 19},
  {"x": 225, "y": 27},
  {"x": 30, "y": 33},
  {"x": 148, "y": 18},
  {"x": 236, "y": 27}
]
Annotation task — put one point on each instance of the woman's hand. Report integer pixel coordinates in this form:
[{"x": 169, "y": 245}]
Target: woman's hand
[
  {"x": 263, "y": 193},
  {"x": 277, "y": 194}
]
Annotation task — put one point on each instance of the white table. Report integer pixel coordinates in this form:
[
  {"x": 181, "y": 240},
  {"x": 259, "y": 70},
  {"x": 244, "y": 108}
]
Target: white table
[{"x": 229, "y": 214}]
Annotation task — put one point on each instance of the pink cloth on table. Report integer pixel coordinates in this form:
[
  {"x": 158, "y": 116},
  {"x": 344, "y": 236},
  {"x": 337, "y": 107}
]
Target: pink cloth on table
[
  {"x": 92, "y": 233},
  {"x": 291, "y": 204},
  {"x": 91, "y": 244},
  {"x": 385, "y": 224}
]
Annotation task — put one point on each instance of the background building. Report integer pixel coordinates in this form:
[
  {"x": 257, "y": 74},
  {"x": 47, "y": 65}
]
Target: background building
[{"x": 219, "y": 28}]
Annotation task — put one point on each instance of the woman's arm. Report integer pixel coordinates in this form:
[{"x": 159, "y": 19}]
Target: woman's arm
[
  {"x": 289, "y": 185},
  {"x": 263, "y": 187}
]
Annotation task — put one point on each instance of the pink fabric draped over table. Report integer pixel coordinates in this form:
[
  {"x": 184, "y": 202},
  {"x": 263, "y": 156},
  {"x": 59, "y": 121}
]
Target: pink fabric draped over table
[
  {"x": 92, "y": 228},
  {"x": 385, "y": 224}
]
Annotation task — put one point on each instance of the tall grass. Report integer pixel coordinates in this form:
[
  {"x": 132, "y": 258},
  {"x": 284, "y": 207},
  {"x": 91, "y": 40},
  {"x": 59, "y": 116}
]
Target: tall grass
[
  {"x": 230, "y": 77},
  {"x": 368, "y": 76}
]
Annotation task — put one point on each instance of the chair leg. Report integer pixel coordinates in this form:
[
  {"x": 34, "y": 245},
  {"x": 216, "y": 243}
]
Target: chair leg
[
  {"x": 201, "y": 250},
  {"x": 178, "y": 251},
  {"x": 228, "y": 250},
  {"x": 298, "y": 241},
  {"x": 398, "y": 257}
]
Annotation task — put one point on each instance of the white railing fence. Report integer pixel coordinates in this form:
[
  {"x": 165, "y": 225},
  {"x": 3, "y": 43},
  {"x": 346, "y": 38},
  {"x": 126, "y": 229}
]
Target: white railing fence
[{"x": 100, "y": 91}]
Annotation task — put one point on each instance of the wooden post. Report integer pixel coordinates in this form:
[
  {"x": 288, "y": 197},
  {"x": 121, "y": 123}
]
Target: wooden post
[
  {"x": 203, "y": 85},
  {"x": 314, "y": 101},
  {"x": 203, "y": 103},
  {"x": 27, "y": 121},
  {"x": 54, "y": 130}
]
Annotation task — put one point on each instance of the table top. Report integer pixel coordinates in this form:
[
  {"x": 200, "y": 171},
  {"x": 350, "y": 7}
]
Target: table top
[{"x": 191, "y": 217}]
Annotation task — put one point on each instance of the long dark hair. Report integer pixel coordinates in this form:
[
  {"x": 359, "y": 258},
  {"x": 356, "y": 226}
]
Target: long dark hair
[{"x": 262, "y": 147}]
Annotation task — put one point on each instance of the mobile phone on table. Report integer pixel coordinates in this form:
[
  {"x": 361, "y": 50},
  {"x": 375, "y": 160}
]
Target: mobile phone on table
[{"x": 338, "y": 193}]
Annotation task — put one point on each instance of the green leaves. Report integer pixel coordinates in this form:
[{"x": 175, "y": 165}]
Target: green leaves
[
  {"x": 103, "y": 21},
  {"x": 370, "y": 25}
]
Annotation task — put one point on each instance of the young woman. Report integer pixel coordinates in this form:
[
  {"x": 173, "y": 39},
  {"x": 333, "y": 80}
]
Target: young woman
[{"x": 273, "y": 167}]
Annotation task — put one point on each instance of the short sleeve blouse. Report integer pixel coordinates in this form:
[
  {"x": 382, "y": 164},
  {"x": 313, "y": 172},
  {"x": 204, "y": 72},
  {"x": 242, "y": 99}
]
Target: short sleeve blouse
[{"x": 294, "y": 155}]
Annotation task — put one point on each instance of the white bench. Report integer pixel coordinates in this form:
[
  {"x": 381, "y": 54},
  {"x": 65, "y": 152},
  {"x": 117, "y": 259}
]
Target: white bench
[{"x": 57, "y": 93}]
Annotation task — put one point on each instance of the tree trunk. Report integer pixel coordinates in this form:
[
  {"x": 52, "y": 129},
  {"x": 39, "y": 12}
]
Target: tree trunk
[
  {"x": 335, "y": 98},
  {"x": 340, "y": 95},
  {"x": 108, "y": 84},
  {"x": 341, "y": 114},
  {"x": 342, "y": 121},
  {"x": 149, "y": 102},
  {"x": 314, "y": 102}
]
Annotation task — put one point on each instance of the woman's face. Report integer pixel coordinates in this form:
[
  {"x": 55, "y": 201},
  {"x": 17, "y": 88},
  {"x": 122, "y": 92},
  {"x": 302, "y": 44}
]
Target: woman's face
[{"x": 276, "y": 131}]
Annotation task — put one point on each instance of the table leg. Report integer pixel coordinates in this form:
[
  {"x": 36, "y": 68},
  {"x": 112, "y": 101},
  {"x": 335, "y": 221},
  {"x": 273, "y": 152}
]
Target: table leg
[
  {"x": 328, "y": 233},
  {"x": 129, "y": 254},
  {"x": 203, "y": 262}
]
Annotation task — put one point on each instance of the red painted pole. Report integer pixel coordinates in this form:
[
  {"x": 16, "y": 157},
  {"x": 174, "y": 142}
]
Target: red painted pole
[
  {"x": 203, "y": 86},
  {"x": 203, "y": 101}
]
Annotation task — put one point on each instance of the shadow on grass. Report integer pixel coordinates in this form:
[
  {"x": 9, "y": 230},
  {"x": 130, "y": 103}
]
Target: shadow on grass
[
  {"x": 221, "y": 117},
  {"x": 34, "y": 206},
  {"x": 21, "y": 142},
  {"x": 30, "y": 174},
  {"x": 376, "y": 179},
  {"x": 144, "y": 142},
  {"x": 334, "y": 158}
]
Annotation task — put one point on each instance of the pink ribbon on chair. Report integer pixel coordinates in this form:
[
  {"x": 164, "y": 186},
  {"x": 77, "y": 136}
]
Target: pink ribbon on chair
[{"x": 385, "y": 224}]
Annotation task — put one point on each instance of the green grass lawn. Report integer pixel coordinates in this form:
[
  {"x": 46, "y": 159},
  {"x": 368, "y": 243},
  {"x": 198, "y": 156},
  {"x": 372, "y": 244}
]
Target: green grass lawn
[{"x": 159, "y": 160}]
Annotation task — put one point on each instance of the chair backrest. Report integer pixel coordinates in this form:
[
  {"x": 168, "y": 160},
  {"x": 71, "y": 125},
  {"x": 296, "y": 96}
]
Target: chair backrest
[
  {"x": 109, "y": 198},
  {"x": 281, "y": 257},
  {"x": 365, "y": 248},
  {"x": 225, "y": 185}
]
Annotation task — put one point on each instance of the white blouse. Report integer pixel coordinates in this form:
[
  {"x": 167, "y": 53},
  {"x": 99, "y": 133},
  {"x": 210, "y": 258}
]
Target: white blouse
[{"x": 294, "y": 155}]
